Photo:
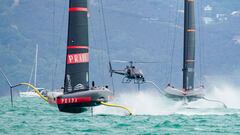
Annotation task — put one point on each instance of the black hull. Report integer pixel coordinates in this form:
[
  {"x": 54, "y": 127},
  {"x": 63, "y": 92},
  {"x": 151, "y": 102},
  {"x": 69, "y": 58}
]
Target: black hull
[
  {"x": 79, "y": 102},
  {"x": 75, "y": 108}
]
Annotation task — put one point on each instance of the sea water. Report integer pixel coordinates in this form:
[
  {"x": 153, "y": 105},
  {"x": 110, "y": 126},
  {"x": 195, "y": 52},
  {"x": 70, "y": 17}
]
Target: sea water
[{"x": 153, "y": 114}]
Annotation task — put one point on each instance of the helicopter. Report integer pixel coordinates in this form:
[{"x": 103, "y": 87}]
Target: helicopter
[{"x": 130, "y": 72}]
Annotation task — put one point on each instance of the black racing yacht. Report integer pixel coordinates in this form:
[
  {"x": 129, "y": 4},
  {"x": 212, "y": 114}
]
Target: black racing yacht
[
  {"x": 188, "y": 92},
  {"x": 78, "y": 95}
]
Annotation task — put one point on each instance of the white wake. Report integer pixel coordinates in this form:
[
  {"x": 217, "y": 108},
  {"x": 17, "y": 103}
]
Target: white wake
[{"x": 150, "y": 102}]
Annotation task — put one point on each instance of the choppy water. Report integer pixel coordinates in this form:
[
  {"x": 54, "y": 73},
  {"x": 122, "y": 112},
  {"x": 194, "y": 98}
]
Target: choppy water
[{"x": 153, "y": 115}]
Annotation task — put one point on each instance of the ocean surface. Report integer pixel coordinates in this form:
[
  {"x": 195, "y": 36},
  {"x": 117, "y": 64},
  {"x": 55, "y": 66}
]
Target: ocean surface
[{"x": 152, "y": 115}]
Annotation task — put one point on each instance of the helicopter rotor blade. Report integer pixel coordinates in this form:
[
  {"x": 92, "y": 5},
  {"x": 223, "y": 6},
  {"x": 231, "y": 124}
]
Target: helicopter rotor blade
[
  {"x": 146, "y": 62},
  {"x": 121, "y": 61},
  {"x": 118, "y": 70}
]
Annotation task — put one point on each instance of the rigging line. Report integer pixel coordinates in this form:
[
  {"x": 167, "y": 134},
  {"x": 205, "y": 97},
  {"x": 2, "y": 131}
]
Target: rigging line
[
  {"x": 99, "y": 10},
  {"x": 174, "y": 42},
  {"x": 59, "y": 44},
  {"x": 95, "y": 44},
  {"x": 53, "y": 34},
  {"x": 201, "y": 42},
  {"x": 30, "y": 79},
  {"x": 102, "y": 54},
  {"x": 198, "y": 35},
  {"x": 105, "y": 30},
  {"x": 167, "y": 40},
  {"x": 107, "y": 40}
]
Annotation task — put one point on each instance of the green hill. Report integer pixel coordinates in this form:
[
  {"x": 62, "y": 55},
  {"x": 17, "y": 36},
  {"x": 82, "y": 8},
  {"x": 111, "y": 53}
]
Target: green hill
[{"x": 138, "y": 30}]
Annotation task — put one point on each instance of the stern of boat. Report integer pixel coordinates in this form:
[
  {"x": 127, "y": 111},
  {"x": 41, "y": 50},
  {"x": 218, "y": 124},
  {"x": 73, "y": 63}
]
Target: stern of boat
[{"x": 78, "y": 102}]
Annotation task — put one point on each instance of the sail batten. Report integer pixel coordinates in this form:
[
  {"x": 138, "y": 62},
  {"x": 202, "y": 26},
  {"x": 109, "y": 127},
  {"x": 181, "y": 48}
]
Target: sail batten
[
  {"x": 77, "y": 47},
  {"x": 83, "y": 9},
  {"x": 189, "y": 45},
  {"x": 77, "y": 57}
]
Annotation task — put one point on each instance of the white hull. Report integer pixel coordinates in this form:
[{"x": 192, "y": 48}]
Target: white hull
[
  {"x": 54, "y": 94},
  {"x": 28, "y": 94},
  {"x": 45, "y": 93},
  {"x": 178, "y": 94}
]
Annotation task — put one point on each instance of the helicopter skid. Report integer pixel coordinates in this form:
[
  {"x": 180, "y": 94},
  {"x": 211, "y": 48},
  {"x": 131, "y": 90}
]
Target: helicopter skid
[
  {"x": 139, "y": 81},
  {"x": 136, "y": 81},
  {"x": 126, "y": 80}
]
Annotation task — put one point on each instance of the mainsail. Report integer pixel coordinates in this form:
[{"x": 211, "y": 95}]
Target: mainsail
[
  {"x": 189, "y": 45},
  {"x": 77, "y": 58}
]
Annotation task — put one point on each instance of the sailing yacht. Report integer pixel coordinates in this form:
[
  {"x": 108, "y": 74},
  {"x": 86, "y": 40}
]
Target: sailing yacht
[
  {"x": 78, "y": 96},
  {"x": 188, "y": 92},
  {"x": 31, "y": 92}
]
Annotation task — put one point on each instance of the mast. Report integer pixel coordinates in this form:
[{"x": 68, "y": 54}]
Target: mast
[
  {"x": 189, "y": 45},
  {"x": 77, "y": 58},
  {"x": 35, "y": 66}
]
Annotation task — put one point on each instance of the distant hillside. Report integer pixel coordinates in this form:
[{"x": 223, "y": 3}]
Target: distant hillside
[{"x": 142, "y": 30}]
